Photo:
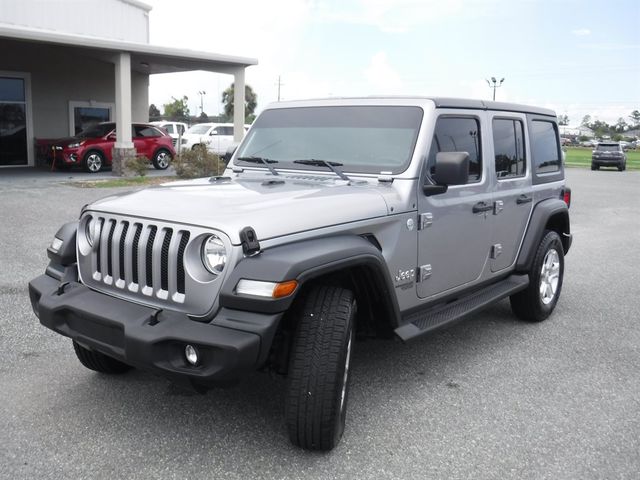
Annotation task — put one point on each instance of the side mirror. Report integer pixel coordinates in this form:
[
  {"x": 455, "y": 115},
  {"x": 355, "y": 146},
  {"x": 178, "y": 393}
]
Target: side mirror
[
  {"x": 451, "y": 168},
  {"x": 213, "y": 132}
]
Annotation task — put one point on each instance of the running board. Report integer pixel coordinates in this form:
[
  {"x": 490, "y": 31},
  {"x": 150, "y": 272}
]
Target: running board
[{"x": 424, "y": 321}]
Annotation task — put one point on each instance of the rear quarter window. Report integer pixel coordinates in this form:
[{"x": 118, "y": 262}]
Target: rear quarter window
[{"x": 545, "y": 147}]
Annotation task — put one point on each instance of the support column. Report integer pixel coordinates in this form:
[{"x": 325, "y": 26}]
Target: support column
[
  {"x": 123, "y": 149},
  {"x": 238, "y": 105}
]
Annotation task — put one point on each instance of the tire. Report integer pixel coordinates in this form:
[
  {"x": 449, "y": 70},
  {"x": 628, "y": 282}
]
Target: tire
[
  {"x": 98, "y": 361},
  {"x": 621, "y": 167},
  {"x": 537, "y": 301},
  {"x": 594, "y": 166},
  {"x": 318, "y": 375},
  {"x": 93, "y": 161},
  {"x": 161, "y": 159}
]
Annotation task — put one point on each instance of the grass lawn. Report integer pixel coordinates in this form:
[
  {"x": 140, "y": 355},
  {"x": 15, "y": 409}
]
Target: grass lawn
[
  {"x": 123, "y": 182},
  {"x": 581, "y": 157}
]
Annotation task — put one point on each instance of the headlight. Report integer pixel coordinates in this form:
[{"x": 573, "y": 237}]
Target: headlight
[
  {"x": 214, "y": 255},
  {"x": 91, "y": 230},
  {"x": 75, "y": 144}
]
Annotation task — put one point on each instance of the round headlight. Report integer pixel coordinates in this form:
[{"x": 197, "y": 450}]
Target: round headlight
[
  {"x": 214, "y": 255},
  {"x": 91, "y": 228}
]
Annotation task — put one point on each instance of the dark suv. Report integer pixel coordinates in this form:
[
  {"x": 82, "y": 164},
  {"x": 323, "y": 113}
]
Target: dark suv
[
  {"x": 91, "y": 148},
  {"x": 609, "y": 155}
]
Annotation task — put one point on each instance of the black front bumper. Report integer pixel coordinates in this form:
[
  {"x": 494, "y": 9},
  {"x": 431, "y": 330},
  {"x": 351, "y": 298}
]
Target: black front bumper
[{"x": 233, "y": 343}]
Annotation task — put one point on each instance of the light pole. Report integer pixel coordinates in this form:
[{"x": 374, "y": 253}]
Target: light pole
[
  {"x": 202, "y": 93},
  {"x": 495, "y": 85}
]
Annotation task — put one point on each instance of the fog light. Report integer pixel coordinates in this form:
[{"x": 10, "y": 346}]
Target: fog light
[
  {"x": 191, "y": 354},
  {"x": 56, "y": 244}
]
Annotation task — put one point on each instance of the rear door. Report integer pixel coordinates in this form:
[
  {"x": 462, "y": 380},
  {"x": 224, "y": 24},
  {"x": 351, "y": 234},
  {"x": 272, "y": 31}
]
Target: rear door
[
  {"x": 513, "y": 197},
  {"x": 454, "y": 235}
]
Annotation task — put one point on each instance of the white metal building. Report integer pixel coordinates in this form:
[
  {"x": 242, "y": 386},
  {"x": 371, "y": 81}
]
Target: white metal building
[{"x": 67, "y": 63}]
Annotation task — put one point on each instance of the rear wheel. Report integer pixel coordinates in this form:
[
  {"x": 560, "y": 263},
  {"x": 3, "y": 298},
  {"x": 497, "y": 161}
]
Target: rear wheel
[
  {"x": 538, "y": 300},
  {"x": 161, "y": 159},
  {"x": 93, "y": 161},
  {"x": 594, "y": 166},
  {"x": 98, "y": 361},
  {"x": 318, "y": 376}
]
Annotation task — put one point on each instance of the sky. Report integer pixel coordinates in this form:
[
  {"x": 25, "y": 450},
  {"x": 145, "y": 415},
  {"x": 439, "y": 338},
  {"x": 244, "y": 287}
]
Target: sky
[{"x": 578, "y": 57}]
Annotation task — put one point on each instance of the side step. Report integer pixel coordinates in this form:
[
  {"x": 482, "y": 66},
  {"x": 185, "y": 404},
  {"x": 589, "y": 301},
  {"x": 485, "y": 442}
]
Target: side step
[{"x": 429, "y": 319}]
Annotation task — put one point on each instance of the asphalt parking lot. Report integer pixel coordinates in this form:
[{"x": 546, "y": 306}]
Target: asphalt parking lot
[{"x": 490, "y": 398}]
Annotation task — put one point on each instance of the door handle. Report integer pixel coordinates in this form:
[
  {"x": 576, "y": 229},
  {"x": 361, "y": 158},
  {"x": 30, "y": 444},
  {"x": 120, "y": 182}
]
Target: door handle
[
  {"x": 481, "y": 207},
  {"x": 523, "y": 199}
]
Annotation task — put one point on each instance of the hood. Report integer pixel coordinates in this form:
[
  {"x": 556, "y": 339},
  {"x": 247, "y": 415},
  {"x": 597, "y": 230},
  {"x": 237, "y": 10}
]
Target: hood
[{"x": 272, "y": 206}]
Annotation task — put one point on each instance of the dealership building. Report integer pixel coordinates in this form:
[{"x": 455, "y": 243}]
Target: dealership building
[{"x": 64, "y": 66}]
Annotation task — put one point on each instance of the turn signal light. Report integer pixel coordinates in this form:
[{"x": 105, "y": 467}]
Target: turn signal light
[{"x": 284, "y": 289}]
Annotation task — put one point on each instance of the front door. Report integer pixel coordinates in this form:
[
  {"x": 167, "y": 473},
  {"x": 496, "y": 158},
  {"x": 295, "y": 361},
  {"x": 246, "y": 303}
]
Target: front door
[
  {"x": 13, "y": 122},
  {"x": 453, "y": 240}
]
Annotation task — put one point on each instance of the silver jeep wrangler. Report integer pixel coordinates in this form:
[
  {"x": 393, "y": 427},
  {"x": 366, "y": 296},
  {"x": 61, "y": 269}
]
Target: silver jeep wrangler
[{"x": 334, "y": 219}]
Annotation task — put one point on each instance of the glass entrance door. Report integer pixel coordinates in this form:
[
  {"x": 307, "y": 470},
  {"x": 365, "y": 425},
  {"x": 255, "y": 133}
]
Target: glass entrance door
[{"x": 13, "y": 122}]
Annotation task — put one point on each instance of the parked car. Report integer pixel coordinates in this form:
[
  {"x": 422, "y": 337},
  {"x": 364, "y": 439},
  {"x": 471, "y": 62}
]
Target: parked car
[
  {"x": 609, "y": 155},
  {"x": 216, "y": 137},
  {"x": 175, "y": 130},
  {"x": 92, "y": 148}
]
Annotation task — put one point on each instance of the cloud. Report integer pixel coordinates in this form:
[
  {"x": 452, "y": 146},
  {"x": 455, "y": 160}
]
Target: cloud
[
  {"x": 381, "y": 76},
  {"x": 581, "y": 32},
  {"x": 389, "y": 16}
]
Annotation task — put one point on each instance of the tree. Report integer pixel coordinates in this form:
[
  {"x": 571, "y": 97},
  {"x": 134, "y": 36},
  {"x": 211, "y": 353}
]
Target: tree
[
  {"x": 153, "y": 111},
  {"x": 586, "y": 120},
  {"x": 621, "y": 125},
  {"x": 250, "y": 101},
  {"x": 563, "y": 120},
  {"x": 178, "y": 109},
  {"x": 203, "y": 117},
  {"x": 635, "y": 119}
]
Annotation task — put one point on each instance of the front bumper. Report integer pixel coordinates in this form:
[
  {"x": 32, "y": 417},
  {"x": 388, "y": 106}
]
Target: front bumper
[{"x": 233, "y": 343}]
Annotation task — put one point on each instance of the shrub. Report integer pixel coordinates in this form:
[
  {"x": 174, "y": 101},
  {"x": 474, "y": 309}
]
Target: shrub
[
  {"x": 198, "y": 162},
  {"x": 138, "y": 165}
]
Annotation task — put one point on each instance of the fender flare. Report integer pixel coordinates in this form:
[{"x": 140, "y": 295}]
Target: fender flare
[
  {"x": 304, "y": 261},
  {"x": 66, "y": 254},
  {"x": 543, "y": 212}
]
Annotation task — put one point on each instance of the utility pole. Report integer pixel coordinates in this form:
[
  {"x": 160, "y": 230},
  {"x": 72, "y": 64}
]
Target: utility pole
[
  {"x": 202, "y": 93},
  {"x": 279, "y": 85},
  {"x": 495, "y": 85}
]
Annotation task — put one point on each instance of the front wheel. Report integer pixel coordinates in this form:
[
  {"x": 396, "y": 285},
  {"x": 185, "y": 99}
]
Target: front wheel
[
  {"x": 161, "y": 160},
  {"x": 538, "y": 300},
  {"x": 98, "y": 361},
  {"x": 93, "y": 162},
  {"x": 318, "y": 376}
]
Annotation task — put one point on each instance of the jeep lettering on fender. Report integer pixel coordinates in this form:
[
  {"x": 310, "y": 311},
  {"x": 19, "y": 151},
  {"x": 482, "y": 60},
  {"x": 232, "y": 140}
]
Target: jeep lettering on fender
[{"x": 334, "y": 219}]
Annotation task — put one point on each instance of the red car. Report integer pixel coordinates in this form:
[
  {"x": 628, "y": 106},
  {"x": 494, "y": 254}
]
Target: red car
[{"x": 92, "y": 147}]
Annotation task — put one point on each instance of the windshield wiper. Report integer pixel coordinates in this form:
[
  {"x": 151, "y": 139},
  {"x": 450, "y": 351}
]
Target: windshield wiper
[
  {"x": 265, "y": 161},
  {"x": 324, "y": 163}
]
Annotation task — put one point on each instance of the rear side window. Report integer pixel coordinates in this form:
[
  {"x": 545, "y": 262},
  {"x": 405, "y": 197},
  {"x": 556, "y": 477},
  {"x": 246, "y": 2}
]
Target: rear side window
[
  {"x": 508, "y": 143},
  {"x": 544, "y": 146},
  {"x": 143, "y": 131},
  {"x": 458, "y": 134}
]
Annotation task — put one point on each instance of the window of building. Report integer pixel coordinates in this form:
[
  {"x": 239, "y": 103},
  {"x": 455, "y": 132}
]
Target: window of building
[
  {"x": 508, "y": 144},
  {"x": 545, "y": 148},
  {"x": 458, "y": 134},
  {"x": 13, "y": 122}
]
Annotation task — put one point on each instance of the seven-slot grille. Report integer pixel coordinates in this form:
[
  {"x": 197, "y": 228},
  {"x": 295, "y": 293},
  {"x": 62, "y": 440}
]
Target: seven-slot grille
[{"x": 140, "y": 258}]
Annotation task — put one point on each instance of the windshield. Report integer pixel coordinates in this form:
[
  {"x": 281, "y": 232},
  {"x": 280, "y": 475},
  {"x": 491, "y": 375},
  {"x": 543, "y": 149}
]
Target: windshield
[
  {"x": 97, "y": 131},
  {"x": 364, "y": 139},
  {"x": 608, "y": 148},
  {"x": 199, "y": 129}
]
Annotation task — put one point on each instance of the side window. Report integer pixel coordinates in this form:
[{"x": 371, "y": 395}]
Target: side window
[
  {"x": 181, "y": 129},
  {"x": 544, "y": 146},
  {"x": 458, "y": 134},
  {"x": 143, "y": 131},
  {"x": 227, "y": 130},
  {"x": 169, "y": 128},
  {"x": 508, "y": 144}
]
